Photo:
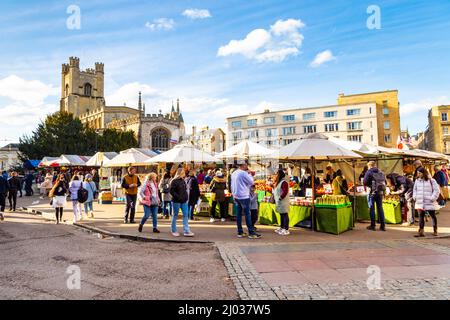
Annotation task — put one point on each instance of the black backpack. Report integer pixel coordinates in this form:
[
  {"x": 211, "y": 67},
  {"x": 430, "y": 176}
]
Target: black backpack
[
  {"x": 166, "y": 188},
  {"x": 378, "y": 182},
  {"x": 83, "y": 194}
]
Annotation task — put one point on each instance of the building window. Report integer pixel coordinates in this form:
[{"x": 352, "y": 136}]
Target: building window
[
  {"x": 356, "y": 125},
  {"x": 253, "y": 133},
  {"x": 370, "y": 110},
  {"x": 386, "y": 125},
  {"x": 385, "y": 103},
  {"x": 269, "y": 120},
  {"x": 160, "y": 139},
  {"x": 445, "y": 129},
  {"x": 288, "y": 141},
  {"x": 67, "y": 90},
  {"x": 329, "y": 127},
  {"x": 386, "y": 111},
  {"x": 353, "y": 112},
  {"x": 444, "y": 116},
  {"x": 309, "y": 129},
  {"x": 271, "y": 133},
  {"x": 288, "y": 130},
  {"x": 269, "y": 143},
  {"x": 87, "y": 89},
  {"x": 237, "y": 135},
  {"x": 236, "y": 124},
  {"x": 251, "y": 123},
  {"x": 289, "y": 117},
  {"x": 309, "y": 116},
  {"x": 387, "y": 138},
  {"x": 371, "y": 138},
  {"x": 330, "y": 114},
  {"x": 357, "y": 138}
]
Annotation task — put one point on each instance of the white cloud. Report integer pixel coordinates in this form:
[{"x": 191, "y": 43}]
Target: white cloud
[
  {"x": 422, "y": 105},
  {"x": 31, "y": 93},
  {"x": 322, "y": 57},
  {"x": 282, "y": 40},
  {"x": 161, "y": 24},
  {"x": 197, "y": 13},
  {"x": 21, "y": 115}
]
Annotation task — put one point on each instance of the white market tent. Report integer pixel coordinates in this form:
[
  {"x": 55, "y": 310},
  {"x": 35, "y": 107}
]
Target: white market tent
[
  {"x": 129, "y": 157},
  {"x": 246, "y": 149},
  {"x": 183, "y": 153},
  {"x": 101, "y": 158},
  {"x": 316, "y": 146},
  {"x": 72, "y": 160}
]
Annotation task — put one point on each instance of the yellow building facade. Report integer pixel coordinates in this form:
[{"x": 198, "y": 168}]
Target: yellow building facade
[
  {"x": 437, "y": 137},
  {"x": 388, "y": 113}
]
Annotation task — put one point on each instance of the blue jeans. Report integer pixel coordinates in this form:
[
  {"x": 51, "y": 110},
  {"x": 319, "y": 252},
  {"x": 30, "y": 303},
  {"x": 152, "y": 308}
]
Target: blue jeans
[
  {"x": 153, "y": 210},
  {"x": 376, "y": 199},
  {"x": 244, "y": 208},
  {"x": 167, "y": 212},
  {"x": 184, "y": 209},
  {"x": 88, "y": 206}
]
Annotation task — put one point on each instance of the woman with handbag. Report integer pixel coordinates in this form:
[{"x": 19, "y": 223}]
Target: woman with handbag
[
  {"x": 58, "y": 196},
  {"x": 149, "y": 198},
  {"x": 91, "y": 188},
  {"x": 426, "y": 194},
  {"x": 164, "y": 188},
  {"x": 217, "y": 187},
  {"x": 75, "y": 185}
]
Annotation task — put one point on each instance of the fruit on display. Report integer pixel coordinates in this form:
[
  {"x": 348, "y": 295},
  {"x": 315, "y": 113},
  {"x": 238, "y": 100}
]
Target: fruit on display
[
  {"x": 261, "y": 185},
  {"x": 333, "y": 200},
  {"x": 301, "y": 201},
  {"x": 392, "y": 197}
]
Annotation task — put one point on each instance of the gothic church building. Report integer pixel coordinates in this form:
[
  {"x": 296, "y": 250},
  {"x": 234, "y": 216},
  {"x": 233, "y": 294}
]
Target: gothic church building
[{"x": 82, "y": 94}]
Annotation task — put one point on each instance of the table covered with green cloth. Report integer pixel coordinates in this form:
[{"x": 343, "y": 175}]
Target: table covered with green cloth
[
  {"x": 392, "y": 211},
  {"x": 269, "y": 216},
  {"x": 334, "y": 220}
]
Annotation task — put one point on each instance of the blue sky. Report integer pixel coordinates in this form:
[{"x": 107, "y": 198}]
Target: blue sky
[{"x": 236, "y": 57}]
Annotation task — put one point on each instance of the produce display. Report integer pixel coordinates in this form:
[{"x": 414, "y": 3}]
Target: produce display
[
  {"x": 392, "y": 198},
  {"x": 333, "y": 200},
  {"x": 301, "y": 201},
  {"x": 261, "y": 185}
]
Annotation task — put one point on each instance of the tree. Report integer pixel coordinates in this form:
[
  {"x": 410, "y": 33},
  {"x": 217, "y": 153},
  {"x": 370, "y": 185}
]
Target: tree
[{"x": 61, "y": 133}]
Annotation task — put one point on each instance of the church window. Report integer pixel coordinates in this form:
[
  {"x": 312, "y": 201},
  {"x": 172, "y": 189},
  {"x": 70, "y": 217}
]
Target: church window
[
  {"x": 160, "y": 139},
  {"x": 67, "y": 90},
  {"x": 87, "y": 89}
]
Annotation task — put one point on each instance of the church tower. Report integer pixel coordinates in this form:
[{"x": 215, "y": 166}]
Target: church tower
[{"x": 81, "y": 91}]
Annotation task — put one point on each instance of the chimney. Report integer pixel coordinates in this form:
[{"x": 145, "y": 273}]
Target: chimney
[{"x": 194, "y": 129}]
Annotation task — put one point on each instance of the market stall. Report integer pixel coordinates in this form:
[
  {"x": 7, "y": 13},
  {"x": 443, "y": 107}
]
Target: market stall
[{"x": 329, "y": 213}]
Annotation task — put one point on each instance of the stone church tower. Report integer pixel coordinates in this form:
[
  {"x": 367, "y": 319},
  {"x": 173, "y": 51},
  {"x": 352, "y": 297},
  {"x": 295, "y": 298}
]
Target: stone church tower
[{"x": 81, "y": 91}]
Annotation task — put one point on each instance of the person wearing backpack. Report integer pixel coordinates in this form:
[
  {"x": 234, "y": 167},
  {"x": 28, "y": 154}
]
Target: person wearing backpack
[
  {"x": 193, "y": 192},
  {"x": 426, "y": 193},
  {"x": 75, "y": 185},
  {"x": 91, "y": 188},
  {"x": 375, "y": 180},
  {"x": 164, "y": 188}
]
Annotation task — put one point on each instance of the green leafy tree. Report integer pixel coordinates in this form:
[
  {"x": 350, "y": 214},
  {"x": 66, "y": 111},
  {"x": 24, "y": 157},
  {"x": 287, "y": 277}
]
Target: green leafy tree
[{"x": 61, "y": 133}]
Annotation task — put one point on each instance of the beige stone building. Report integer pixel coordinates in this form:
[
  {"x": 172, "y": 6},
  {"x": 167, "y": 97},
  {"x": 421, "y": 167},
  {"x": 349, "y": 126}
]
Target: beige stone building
[
  {"x": 82, "y": 93},
  {"x": 359, "y": 118},
  {"x": 436, "y": 137},
  {"x": 208, "y": 140},
  {"x": 9, "y": 156},
  {"x": 387, "y": 111}
]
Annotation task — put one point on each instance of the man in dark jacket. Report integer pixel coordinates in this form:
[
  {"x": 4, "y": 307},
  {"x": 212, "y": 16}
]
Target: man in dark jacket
[
  {"x": 14, "y": 187},
  {"x": 96, "y": 178},
  {"x": 375, "y": 180},
  {"x": 441, "y": 179},
  {"x": 403, "y": 187},
  {"x": 3, "y": 192},
  {"x": 29, "y": 178}
]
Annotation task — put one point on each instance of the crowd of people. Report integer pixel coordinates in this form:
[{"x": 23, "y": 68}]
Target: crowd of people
[{"x": 420, "y": 195}]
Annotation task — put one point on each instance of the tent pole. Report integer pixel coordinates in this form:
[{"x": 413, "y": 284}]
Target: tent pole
[
  {"x": 354, "y": 193},
  {"x": 313, "y": 211}
]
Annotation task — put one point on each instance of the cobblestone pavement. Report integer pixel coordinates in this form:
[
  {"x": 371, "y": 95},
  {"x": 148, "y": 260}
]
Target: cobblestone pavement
[{"x": 413, "y": 280}]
